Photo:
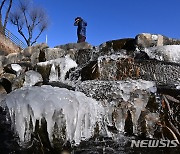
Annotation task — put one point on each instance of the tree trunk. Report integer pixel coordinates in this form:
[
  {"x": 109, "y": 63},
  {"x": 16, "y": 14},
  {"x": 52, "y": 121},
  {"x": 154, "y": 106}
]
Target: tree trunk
[
  {"x": 1, "y": 26},
  {"x": 7, "y": 15}
]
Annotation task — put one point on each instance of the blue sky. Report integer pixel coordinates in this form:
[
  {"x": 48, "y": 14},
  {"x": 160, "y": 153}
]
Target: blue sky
[{"x": 109, "y": 19}]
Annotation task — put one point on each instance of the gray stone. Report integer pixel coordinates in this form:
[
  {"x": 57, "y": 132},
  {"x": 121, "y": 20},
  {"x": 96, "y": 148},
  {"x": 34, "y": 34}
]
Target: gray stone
[
  {"x": 30, "y": 50},
  {"x": 150, "y": 70},
  {"x": 78, "y": 46},
  {"x": 13, "y": 58},
  {"x": 83, "y": 56},
  {"x": 146, "y": 40},
  {"x": 54, "y": 53}
]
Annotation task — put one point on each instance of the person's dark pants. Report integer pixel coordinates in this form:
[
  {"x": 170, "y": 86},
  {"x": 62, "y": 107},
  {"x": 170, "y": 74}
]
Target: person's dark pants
[{"x": 81, "y": 39}]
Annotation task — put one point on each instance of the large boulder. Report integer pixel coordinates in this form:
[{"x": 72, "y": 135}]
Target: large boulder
[
  {"x": 13, "y": 58},
  {"x": 121, "y": 46},
  {"x": 145, "y": 40},
  {"x": 78, "y": 46},
  {"x": 30, "y": 50},
  {"x": 54, "y": 53},
  {"x": 80, "y": 52},
  {"x": 162, "y": 73},
  {"x": 168, "y": 53}
]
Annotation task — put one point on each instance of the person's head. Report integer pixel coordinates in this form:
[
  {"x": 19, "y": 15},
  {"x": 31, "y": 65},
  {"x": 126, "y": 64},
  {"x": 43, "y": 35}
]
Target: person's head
[{"x": 77, "y": 19}]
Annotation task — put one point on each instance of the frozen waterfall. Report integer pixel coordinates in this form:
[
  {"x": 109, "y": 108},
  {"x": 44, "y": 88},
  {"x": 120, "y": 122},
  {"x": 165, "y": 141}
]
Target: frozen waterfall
[{"x": 71, "y": 110}]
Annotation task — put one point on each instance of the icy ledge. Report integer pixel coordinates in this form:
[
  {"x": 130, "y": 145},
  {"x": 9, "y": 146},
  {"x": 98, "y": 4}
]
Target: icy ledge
[
  {"x": 168, "y": 53},
  {"x": 71, "y": 110}
]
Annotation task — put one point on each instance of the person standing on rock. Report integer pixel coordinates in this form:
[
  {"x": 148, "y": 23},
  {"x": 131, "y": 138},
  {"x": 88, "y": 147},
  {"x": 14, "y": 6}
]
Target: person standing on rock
[{"x": 81, "y": 30}]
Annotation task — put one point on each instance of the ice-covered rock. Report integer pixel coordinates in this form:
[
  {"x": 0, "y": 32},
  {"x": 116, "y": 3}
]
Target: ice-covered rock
[
  {"x": 53, "y": 74},
  {"x": 168, "y": 53},
  {"x": 119, "y": 97},
  {"x": 59, "y": 67},
  {"x": 32, "y": 77},
  {"x": 17, "y": 68},
  {"x": 61, "y": 108}
]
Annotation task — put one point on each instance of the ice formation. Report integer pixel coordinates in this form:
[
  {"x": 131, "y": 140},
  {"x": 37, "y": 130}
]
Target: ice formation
[
  {"x": 53, "y": 74},
  {"x": 17, "y": 68},
  {"x": 64, "y": 64},
  {"x": 119, "y": 97},
  {"x": 68, "y": 109},
  {"x": 169, "y": 53},
  {"x": 31, "y": 78}
]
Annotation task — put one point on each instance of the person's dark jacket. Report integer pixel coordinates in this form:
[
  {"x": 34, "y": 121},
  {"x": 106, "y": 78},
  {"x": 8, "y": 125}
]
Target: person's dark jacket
[{"x": 81, "y": 30}]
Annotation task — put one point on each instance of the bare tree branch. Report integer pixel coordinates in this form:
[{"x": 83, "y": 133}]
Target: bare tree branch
[
  {"x": 37, "y": 37},
  {"x": 2, "y": 4},
  {"x": 27, "y": 21}
]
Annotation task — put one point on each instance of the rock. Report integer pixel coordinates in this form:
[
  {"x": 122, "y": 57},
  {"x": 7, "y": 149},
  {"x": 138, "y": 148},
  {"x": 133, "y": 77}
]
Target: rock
[
  {"x": 1, "y": 68},
  {"x": 54, "y": 53},
  {"x": 44, "y": 70},
  {"x": 18, "y": 82},
  {"x": 10, "y": 68},
  {"x": 117, "y": 45},
  {"x": 141, "y": 55},
  {"x": 83, "y": 56},
  {"x": 18, "y": 68},
  {"x": 31, "y": 78},
  {"x": 56, "y": 84},
  {"x": 34, "y": 58},
  {"x": 13, "y": 58},
  {"x": 6, "y": 84},
  {"x": 118, "y": 97},
  {"x": 77, "y": 46},
  {"x": 42, "y": 56},
  {"x": 79, "y": 52},
  {"x": 2, "y": 60},
  {"x": 146, "y": 40},
  {"x": 8, "y": 76},
  {"x": 90, "y": 71},
  {"x": 167, "y": 53},
  {"x": 3, "y": 92},
  {"x": 163, "y": 73},
  {"x": 30, "y": 50},
  {"x": 114, "y": 90},
  {"x": 124, "y": 46},
  {"x": 56, "y": 69}
]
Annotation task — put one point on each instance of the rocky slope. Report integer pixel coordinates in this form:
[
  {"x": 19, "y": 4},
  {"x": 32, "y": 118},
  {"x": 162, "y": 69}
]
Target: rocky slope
[{"x": 136, "y": 80}]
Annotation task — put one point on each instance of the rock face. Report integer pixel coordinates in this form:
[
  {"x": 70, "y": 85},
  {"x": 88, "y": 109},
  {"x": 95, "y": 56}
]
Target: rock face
[
  {"x": 119, "y": 97},
  {"x": 134, "y": 81},
  {"x": 119, "y": 69}
]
